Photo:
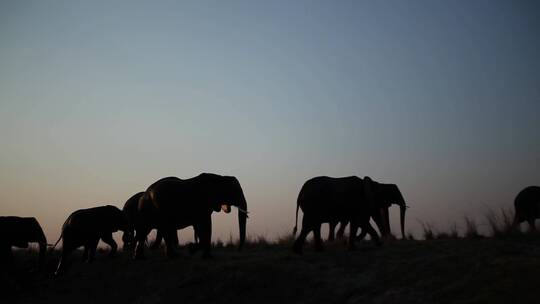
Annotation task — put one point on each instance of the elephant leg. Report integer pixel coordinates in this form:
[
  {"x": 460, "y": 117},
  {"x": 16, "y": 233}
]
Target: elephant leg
[
  {"x": 171, "y": 240},
  {"x": 63, "y": 264},
  {"x": 204, "y": 232},
  {"x": 175, "y": 239},
  {"x": 362, "y": 234},
  {"x": 341, "y": 230},
  {"x": 85, "y": 254},
  {"x": 318, "y": 239},
  {"x": 353, "y": 227},
  {"x": 193, "y": 247},
  {"x": 140, "y": 234},
  {"x": 306, "y": 228},
  {"x": 532, "y": 225},
  {"x": 386, "y": 217},
  {"x": 92, "y": 246},
  {"x": 6, "y": 255},
  {"x": 377, "y": 218},
  {"x": 127, "y": 239},
  {"x": 331, "y": 228},
  {"x": 299, "y": 243},
  {"x": 195, "y": 237},
  {"x": 108, "y": 239},
  {"x": 369, "y": 229},
  {"x": 158, "y": 240}
]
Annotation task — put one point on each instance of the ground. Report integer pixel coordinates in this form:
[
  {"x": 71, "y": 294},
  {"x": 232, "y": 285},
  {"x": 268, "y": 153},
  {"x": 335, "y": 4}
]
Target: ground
[{"x": 482, "y": 270}]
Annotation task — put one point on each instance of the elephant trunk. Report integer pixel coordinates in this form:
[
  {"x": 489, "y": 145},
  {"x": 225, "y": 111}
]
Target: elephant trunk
[
  {"x": 385, "y": 223},
  {"x": 128, "y": 239},
  {"x": 402, "y": 209},
  {"x": 242, "y": 219}
]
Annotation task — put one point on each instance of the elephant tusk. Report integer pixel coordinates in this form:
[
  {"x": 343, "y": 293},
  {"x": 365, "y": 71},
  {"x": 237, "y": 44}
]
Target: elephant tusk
[
  {"x": 226, "y": 208},
  {"x": 243, "y": 211}
]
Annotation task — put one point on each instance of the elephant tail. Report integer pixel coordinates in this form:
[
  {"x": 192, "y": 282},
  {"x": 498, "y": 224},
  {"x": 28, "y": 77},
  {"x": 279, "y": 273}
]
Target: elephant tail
[
  {"x": 296, "y": 220},
  {"x": 62, "y": 233},
  {"x": 54, "y": 246}
]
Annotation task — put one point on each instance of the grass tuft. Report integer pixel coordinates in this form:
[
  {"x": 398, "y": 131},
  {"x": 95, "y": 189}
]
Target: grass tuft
[
  {"x": 471, "y": 229},
  {"x": 501, "y": 224},
  {"x": 428, "y": 230}
]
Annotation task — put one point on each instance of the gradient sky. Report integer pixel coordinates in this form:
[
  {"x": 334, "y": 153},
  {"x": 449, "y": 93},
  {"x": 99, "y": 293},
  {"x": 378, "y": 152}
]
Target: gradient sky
[{"x": 100, "y": 99}]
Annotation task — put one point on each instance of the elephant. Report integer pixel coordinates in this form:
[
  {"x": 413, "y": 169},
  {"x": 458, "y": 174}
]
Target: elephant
[
  {"x": 527, "y": 206},
  {"x": 85, "y": 227},
  {"x": 326, "y": 199},
  {"x": 385, "y": 195},
  {"x": 130, "y": 209},
  {"x": 19, "y": 231},
  {"x": 172, "y": 203}
]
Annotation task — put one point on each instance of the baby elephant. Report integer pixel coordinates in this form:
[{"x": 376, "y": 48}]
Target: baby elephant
[
  {"x": 19, "y": 231},
  {"x": 85, "y": 227}
]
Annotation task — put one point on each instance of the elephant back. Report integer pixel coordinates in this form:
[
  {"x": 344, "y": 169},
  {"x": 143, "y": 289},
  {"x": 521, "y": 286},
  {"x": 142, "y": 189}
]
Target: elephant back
[
  {"x": 131, "y": 207},
  {"x": 527, "y": 202},
  {"x": 103, "y": 219},
  {"x": 330, "y": 194},
  {"x": 18, "y": 231}
]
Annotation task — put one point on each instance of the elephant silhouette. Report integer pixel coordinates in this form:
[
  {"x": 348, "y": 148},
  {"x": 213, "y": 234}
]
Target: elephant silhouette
[
  {"x": 326, "y": 199},
  {"x": 85, "y": 227},
  {"x": 19, "y": 232},
  {"x": 386, "y": 195},
  {"x": 171, "y": 203},
  {"x": 527, "y": 206},
  {"x": 131, "y": 210}
]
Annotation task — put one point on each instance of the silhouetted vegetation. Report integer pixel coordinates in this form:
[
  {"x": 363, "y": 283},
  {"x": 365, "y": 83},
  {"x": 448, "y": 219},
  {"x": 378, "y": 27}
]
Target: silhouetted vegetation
[
  {"x": 502, "y": 223},
  {"x": 471, "y": 229}
]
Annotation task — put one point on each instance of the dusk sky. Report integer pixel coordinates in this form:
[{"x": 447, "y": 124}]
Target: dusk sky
[{"x": 100, "y": 99}]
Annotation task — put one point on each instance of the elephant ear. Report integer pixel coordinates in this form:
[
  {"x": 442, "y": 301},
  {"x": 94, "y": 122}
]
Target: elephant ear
[
  {"x": 111, "y": 219},
  {"x": 216, "y": 191},
  {"x": 37, "y": 231}
]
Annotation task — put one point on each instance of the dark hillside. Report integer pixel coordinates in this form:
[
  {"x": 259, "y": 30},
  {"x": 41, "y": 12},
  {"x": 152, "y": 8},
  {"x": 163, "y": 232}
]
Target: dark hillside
[{"x": 488, "y": 270}]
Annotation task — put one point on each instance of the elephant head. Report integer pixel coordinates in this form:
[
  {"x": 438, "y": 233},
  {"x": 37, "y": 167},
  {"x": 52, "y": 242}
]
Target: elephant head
[
  {"x": 390, "y": 194},
  {"x": 114, "y": 219},
  {"x": 130, "y": 210},
  {"x": 226, "y": 193},
  {"x": 19, "y": 231},
  {"x": 381, "y": 197},
  {"x": 128, "y": 238},
  {"x": 36, "y": 234},
  {"x": 527, "y": 206}
]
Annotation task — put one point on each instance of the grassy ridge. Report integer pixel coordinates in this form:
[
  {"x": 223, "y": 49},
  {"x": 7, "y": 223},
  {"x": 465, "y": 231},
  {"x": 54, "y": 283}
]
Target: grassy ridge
[{"x": 476, "y": 270}]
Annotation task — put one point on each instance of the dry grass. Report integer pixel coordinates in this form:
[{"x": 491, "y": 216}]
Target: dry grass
[
  {"x": 428, "y": 230},
  {"x": 441, "y": 271},
  {"x": 471, "y": 228},
  {"x": 449, "y": 266},
  {"x": 501, "y": 224}
]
